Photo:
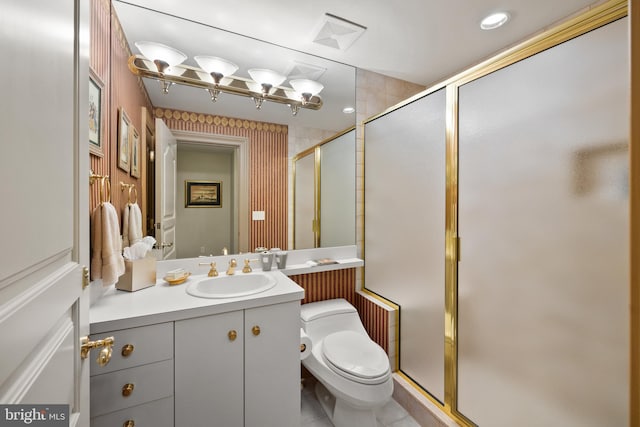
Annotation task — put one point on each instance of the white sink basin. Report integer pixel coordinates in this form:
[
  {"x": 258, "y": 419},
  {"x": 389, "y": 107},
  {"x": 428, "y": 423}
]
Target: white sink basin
[{"x": 238, "y": 285}]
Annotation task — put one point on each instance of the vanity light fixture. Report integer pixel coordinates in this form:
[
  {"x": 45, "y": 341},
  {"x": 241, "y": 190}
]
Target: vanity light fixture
[
  {"x": 306, "y": 88},
  {"x": 217, "y": 69},
  {"x": 303, "y": 89},
  {"x": 495, "y": 20},
  {"x": 267, "y": 79},
  {"x": 164, "y": 58},
  {"x": 215, "y": 75}
]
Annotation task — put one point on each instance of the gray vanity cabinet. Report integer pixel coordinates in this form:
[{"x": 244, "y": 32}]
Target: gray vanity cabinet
[
  {"x": 209, "y": 370},
  {"x": 240, "y": 368}
]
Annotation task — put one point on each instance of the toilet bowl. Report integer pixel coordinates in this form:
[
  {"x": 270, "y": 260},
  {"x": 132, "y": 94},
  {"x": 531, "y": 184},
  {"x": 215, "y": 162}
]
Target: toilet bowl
[{"x": 353, "y": 372}]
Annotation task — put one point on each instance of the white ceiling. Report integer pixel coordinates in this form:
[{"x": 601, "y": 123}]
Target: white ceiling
[{"x": 421, "y": 41}]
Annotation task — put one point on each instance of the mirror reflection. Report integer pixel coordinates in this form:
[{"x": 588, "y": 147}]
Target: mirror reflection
[
  {"x": 325, "y": 216},
  {"x": 245, "y": 219}
]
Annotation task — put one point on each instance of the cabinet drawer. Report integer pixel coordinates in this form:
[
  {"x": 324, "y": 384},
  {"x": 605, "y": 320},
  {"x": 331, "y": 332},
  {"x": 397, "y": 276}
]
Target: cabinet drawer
[
  {"x": 158, "y": 413},
  {"x": 150, "y": 344},
  {"x": 150, "y": 382}
]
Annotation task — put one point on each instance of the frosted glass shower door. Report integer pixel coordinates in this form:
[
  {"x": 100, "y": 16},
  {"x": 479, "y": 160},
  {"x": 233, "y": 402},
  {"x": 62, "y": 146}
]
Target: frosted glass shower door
[
  {"x": 405, "y": 230},
  {"x": 543, "y": 219}
]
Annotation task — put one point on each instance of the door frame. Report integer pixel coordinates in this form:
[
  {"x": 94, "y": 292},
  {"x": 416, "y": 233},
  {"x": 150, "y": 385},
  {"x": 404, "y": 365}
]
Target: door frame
[{"x": 240, "y": 147}]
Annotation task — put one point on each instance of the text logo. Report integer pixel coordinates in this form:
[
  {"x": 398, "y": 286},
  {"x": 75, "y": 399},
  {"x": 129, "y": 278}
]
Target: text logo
[{"x": 34, "y": 415}]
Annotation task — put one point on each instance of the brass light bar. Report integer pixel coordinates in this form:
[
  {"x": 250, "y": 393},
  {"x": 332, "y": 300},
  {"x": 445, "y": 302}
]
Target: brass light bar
[{"x": 235, "y": 85}]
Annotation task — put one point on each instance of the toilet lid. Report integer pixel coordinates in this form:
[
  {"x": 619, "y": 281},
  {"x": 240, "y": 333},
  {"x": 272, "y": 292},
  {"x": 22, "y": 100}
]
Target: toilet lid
[{"x": 355, "y": 356}]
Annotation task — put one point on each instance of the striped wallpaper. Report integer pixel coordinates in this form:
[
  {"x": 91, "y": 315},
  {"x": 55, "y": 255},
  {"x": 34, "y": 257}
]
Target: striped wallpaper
[{"x": 268, "y": 166}]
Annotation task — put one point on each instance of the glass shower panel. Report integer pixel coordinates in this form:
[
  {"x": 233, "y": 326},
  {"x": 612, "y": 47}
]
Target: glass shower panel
[
  {"x": 543, "y": 219},
  {"x": 338, "y": 191},
  {"x": 304, "y": 202},
  {"x": 404, "y": 200}
]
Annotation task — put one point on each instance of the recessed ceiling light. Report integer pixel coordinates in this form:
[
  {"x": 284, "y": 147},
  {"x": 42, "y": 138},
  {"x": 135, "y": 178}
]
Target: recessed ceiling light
[
  {"x": 494, "y": 21},
  {"x": 348, "y": 110}
]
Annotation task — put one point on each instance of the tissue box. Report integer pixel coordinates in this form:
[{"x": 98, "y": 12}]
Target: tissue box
[{"x": 138, "y": 274}]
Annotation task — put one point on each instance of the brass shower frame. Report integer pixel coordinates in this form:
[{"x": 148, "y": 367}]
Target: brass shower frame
[{"x": 580, "y": 24}]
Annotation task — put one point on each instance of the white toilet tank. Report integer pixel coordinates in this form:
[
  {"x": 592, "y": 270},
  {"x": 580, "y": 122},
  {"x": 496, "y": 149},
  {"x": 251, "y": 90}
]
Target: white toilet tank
[{"x": 322, "y": 318}]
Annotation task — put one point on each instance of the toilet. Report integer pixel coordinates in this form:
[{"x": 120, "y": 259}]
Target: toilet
[{"x": 353, "y": 372}]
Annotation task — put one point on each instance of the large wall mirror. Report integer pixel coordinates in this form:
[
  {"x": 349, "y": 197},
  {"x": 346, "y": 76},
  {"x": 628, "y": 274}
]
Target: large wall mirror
[{"x": 308, "y": 127}]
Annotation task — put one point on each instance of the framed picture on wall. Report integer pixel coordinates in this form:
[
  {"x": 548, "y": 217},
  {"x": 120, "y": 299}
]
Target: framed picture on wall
[
  {"x": 124, "y": 123},
  {"x": 96, "y": 118},
  {"x": 202, "y": 194},
  {"x": 135, "y": 152}
]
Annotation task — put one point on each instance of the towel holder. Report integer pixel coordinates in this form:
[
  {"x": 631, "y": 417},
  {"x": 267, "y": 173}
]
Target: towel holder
[
  {"x": 124, "y": 186},
  {"x": 105, "y": 186}
]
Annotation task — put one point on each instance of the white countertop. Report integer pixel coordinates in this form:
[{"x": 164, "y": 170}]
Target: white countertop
[
  {"x": 114, "y": 309},
  {"x": 165, "y": 303}
]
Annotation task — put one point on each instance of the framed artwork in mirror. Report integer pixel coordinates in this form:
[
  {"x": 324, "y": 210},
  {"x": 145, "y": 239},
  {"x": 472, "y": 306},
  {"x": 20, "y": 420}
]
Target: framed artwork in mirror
[
  {"x": 124, "y": 123},
  {"x": 134, "y": 141},
  {"x": 96, "y": 118},
  {"x": 202, "y": 194}
]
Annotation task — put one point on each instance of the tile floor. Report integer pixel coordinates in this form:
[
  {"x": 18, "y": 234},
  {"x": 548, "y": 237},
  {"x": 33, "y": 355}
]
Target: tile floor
[{"x": 391, "y": 415}]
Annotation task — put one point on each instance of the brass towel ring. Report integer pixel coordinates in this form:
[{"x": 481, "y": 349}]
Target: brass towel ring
[
  {"x": 105, "y": 186},
  {"x": 105, "y": 190},
  {"x": 130, "y": 187},
  {"x": 135, "y": 192}
]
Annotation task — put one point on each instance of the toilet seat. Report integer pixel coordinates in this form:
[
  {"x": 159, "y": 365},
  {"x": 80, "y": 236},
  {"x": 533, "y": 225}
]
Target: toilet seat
[{"x": 356, "y": 357}]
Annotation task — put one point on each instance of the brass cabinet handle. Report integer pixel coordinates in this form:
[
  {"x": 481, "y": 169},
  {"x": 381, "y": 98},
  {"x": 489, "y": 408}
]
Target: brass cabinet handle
[
  {"x": 232, "y": 335},
  {"x": 127, "y": 389},
  {"x": 256, "y": 330},
  {"x": 129, "y": 423},
  {"x": 105, "y": 354},
  {"x": 127, "y": 350}
]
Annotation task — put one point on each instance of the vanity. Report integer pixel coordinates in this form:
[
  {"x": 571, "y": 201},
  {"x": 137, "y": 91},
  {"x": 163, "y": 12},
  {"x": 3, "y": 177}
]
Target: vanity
[{"x": 183, "y": 360}]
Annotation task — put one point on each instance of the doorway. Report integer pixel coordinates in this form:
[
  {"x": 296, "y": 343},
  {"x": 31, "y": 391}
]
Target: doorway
[{"x": 222, "y": 161}]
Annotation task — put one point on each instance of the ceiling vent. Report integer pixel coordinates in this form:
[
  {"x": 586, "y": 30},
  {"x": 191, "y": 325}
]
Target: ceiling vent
[
  {"x": 337, "y": 32},
  {"x": 300, "y": 70}
]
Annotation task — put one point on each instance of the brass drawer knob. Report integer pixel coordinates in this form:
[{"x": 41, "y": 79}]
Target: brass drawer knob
[
  {"x": 232, "y": 335},
  {"x": 129, "y": 423},
  {"x": 127, "y": 350},
  {"x": 256, "y": 330},
  {"x": 127, "y": 389}
]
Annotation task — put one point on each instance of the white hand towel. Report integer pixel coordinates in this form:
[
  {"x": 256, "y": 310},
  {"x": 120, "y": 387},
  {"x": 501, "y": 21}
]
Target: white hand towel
[
  {"x": 106, "y": 262},
  {"x": 126, "y": 214},
  {"x": 135, "y": 224}
]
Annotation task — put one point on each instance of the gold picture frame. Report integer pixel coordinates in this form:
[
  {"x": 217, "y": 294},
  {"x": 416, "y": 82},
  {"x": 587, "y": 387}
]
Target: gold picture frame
[
  {"x": 202, "y": 194},
  {"x": 124, "y": 123}
]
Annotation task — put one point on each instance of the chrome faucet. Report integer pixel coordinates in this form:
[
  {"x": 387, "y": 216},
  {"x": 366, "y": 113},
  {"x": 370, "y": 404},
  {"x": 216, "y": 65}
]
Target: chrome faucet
[{"x": 232, "y": 267}]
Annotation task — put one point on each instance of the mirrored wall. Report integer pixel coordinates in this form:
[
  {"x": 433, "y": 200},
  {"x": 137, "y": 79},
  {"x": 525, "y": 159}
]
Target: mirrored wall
[
  {"x": 324, "y": 189},
  {"x": 272, "y": 131}
]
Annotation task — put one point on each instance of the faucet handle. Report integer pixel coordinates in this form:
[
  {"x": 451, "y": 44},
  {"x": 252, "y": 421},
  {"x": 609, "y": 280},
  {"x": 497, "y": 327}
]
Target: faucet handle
[
  {"x": 247, "y": 267},
  {"x": 233, "y": 262},
  {"x": 212, "y": 272}
]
